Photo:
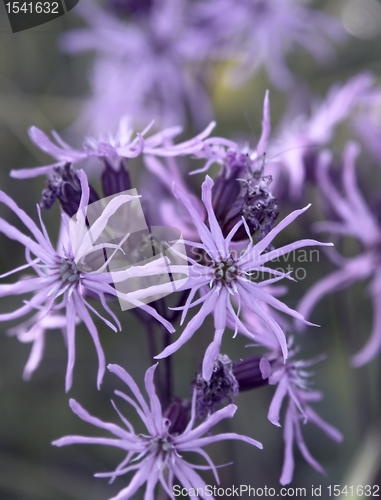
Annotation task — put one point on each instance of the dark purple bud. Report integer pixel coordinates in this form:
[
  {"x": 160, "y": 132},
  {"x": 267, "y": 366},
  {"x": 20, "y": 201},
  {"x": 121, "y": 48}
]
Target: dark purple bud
[
  {"x": 226, "y": 187},
  {"x": 226, "y": 192},
  {"x": 239, "y": 192},
  {"x": 178, "y": 415},
  {"x": 65, "y": 186},
  {"x": 115, "y": 180},
  {"x": 221, "y": 384},
  {"x": 248, "y": 373}
]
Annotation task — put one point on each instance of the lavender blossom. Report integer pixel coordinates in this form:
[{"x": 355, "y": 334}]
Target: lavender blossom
[
  {"x": 63, "y": 273},
  {"x": 242, "y": 189},
  {"x": 156, "y": 456},
  {"x": 281, "y": 166},
  {"x": 221, "y": 275},
  {"x": 244, "y": 31},
  {"x": 111, "y": 149},
  {"x": 293, "y": 382},
  {"x": 151, "y": 66},
  {"x": 355, "y": 219},
  {"x": 301, "y": 136}
]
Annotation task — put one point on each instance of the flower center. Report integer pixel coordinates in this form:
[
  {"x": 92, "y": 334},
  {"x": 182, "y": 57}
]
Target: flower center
[
  {"x": 163, "y": 449},
  {"x": 161, "y": 445},
  {"x": 69, "y": 272},
  {"x": 225, "y": 271}
]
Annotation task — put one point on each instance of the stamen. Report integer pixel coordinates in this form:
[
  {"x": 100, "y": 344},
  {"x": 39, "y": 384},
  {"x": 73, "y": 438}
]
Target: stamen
[
  {"x": 69, "y": 272},
  {"x": 225, "y": 272}
]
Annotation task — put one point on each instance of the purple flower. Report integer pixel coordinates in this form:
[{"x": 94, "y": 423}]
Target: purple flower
[
  {"x": 292, "y": 381},
  {"x": 228, "y": 154},
  {"x": 244, "y": 31},
  {"x": 285, "y": 159},
  {"x": 222, "y": 274},
  {"x": 150, "y": 66},
  {"x": 61, "y": 275},
  {"x": 157, "y": 455},
  {"x": 242, "y": 189},
  {"x": 355, "y": 219},
  {"x": 367, "y": 124},
  {"x": 300, "y": 136},
  {"x": 111, "y": 148}
]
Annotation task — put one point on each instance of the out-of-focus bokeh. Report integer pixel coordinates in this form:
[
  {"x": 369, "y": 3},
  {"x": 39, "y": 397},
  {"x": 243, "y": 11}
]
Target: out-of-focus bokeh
[{"x": 41, "y": 86}]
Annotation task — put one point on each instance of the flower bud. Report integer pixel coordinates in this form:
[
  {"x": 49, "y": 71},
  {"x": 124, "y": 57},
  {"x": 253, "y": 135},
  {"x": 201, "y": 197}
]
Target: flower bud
[{"x": 65, "y": 185}]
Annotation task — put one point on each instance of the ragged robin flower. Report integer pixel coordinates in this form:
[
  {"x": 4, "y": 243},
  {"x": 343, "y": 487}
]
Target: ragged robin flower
[
  {"x": 293, "y": 382},
  {"x": 158, "y": 455},
  {"x": 62, "y": 281},
  {"x": 356, "y": 219},
  {"x": 223, "y": 277}
]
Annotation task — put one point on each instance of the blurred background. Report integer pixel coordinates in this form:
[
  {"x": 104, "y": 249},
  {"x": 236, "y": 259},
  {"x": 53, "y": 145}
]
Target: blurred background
[{"x": 41, "y": 86}]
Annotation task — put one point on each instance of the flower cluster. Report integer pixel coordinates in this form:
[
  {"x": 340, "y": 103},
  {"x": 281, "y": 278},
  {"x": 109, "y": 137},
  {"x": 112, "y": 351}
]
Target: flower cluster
[
  {"x": 227, "y": 263},
  {"x": 211, "y": 221},
  {"x": 62, "y": 281}
]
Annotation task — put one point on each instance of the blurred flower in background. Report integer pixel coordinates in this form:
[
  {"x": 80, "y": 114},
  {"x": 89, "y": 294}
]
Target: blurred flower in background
[
  {"x": 154, "y": 64},
  {"x": 258, "y": 33}
]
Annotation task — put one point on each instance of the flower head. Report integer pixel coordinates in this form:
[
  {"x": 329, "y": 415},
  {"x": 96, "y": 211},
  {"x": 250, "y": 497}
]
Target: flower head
[
  {"x": 242, "y": 189},
  {"x": 157, "y": 457},
  {"x": 111, "y": 148},
  {"x": 292, "y": 381},
  {"x": 149, "y": 65},
  {"x": 355, "y": 219},
  {"x": 64, "y": 278},
  {"x": 244, "y": 31},
  {"x": 223, "y": 275},
  {"x": 300, "y": 138}
]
